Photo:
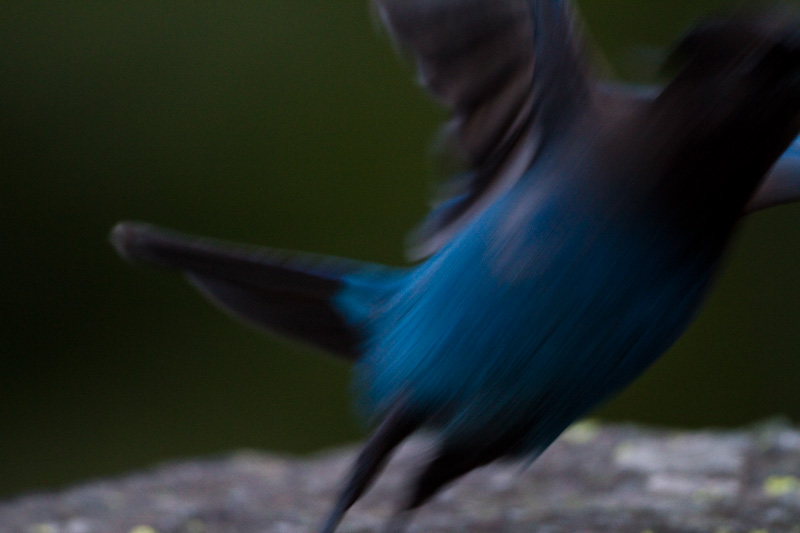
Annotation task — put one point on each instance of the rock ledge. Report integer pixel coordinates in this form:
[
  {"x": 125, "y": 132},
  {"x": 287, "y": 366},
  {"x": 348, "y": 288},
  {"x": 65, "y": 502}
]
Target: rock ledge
[{"x": 595, "y": 478}]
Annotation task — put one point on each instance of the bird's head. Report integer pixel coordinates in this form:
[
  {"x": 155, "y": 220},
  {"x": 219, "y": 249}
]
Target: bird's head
[{"x": 731, "y": 110}]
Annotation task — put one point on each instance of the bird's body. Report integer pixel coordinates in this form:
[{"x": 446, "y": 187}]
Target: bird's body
[
  {"x": 578, "y": 293},
  {"x": 575, "y": 249}
]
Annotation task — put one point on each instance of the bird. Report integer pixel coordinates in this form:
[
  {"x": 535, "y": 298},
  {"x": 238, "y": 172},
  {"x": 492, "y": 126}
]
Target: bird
[{"x": 581, "y": 234}]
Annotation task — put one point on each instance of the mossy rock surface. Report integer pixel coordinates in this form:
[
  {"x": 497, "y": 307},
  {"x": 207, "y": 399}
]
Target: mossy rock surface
[{"x": 595, "y": 478}]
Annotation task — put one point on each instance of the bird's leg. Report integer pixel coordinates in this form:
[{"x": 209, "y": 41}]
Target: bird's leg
[
  {"x": 448, "y": 465},
  {"x": 397, "y": 425}
]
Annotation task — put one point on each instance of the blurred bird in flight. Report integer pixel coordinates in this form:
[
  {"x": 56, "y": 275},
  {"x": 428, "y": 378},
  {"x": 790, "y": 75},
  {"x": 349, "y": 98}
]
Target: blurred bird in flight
[{"x": 575, "y": 247}]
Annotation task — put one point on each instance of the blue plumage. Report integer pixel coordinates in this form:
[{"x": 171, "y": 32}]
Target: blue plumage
[
  {"x": 574, "y": 249},
  {"x": 532, "y": 327}
]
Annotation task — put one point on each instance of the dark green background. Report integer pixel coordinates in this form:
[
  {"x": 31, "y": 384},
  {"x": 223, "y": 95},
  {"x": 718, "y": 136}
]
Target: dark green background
[{"x": 288, "y": 123}]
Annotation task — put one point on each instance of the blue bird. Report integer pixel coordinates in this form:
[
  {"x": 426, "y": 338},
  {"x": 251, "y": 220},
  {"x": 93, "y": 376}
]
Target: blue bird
[{"x": 576, "y": 246}]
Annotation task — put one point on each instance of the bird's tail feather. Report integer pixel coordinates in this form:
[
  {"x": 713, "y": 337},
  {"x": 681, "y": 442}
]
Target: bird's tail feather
[{"x": 322, "y": 301}]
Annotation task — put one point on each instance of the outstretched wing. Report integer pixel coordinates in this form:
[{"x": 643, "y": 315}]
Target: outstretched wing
[{"x": 511, "y": 71}]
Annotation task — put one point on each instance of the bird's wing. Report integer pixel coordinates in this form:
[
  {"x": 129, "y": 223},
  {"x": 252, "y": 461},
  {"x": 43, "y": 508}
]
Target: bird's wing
[
  {"x": 511, "y": 72},
  {"x": 782, "y": 184}
]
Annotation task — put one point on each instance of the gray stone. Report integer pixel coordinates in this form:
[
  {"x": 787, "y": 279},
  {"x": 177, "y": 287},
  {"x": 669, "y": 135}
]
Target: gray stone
[{"x": 593, "y": 479}]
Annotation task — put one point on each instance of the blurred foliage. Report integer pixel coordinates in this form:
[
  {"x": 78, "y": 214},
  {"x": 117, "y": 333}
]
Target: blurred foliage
[{"x": 290, "y": 124}]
